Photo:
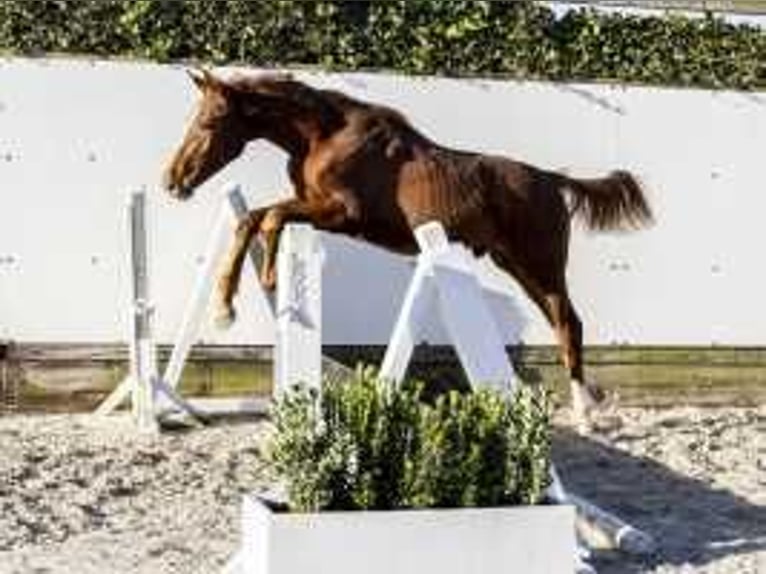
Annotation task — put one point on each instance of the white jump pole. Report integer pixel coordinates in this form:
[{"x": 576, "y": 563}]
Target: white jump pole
[
  {"x": 602, "y": 529},
  {"x": 444, "y": 274},
  {"x": 297, "y": 354},
  {"x": 298, "y": 306}
]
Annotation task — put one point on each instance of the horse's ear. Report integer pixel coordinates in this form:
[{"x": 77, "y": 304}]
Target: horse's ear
[{"x": 202, "y": 77}]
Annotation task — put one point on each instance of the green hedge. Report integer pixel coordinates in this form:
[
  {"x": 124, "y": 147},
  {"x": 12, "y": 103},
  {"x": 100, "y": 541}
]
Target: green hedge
[
  {"x": 445, "y": 37},
  {"x": 365, "y": 444}
]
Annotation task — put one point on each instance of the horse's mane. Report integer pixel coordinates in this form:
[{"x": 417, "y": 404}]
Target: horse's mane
[
  {"x": 329, "y": 106},
  {"x": 380, "y": 110},
  {"x": 282, "y": 88}
]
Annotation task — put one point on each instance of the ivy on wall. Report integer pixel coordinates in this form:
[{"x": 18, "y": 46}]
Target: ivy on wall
[{"x": 519, "y": 39}]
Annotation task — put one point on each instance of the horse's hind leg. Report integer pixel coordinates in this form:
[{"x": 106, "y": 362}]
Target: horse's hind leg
[
  {"x": 568, "y": 327},
  {"x": 546, "y": 286}
]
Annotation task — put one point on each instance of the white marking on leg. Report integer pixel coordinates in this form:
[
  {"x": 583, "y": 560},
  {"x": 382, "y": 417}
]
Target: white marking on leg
[{"x": 582, "y": 403}]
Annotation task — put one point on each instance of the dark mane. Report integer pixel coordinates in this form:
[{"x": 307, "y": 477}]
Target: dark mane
[
  {"x": 328, "y": 105},
  {"x": 381, "y": 111},
  {"x": 282, "y": 88},
  {"x": 255, "y": 83}
]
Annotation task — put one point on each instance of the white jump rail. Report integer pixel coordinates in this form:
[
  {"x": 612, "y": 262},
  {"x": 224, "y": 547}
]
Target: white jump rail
[{"x": 297, "y": 319}]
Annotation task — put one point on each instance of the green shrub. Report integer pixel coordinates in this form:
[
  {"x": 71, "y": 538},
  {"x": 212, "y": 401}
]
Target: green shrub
[
  {"x": 366, "y": 444},
  {"x": 521, "y": 39}
]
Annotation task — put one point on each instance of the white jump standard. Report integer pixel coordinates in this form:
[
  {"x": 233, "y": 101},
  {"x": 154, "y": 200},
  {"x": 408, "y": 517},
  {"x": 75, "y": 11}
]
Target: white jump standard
[
  {"x": 143, "y": 386},
  {"x": 445, "y": 276},
  {"x": 298, "y": 339}
]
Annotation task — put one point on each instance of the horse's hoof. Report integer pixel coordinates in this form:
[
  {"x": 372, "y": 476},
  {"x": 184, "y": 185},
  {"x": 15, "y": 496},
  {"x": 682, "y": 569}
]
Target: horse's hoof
[
  {"x": 586, "y": 398},
  {"x": 224, "y": 317},
  {"x": 583, "y": 426}
]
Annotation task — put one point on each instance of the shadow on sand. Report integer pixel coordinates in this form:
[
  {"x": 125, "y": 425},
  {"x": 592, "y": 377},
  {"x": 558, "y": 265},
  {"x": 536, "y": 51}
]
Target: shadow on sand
[{"x": 692, "y": 522}]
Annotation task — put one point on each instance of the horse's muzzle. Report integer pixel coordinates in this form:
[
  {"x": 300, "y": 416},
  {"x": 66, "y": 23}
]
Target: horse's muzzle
[{"x": 179, "y": 192}]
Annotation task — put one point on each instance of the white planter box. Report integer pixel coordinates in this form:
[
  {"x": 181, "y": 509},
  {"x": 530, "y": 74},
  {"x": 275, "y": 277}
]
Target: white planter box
[{"x": 528, "y": 540}]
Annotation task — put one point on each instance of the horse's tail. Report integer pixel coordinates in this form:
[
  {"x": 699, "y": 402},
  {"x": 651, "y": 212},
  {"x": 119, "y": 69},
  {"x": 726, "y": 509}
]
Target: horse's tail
[{"x": 616, "y": 201}]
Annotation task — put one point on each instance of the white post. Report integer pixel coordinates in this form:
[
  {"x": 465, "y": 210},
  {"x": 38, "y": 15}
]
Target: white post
[
  {"x": 142, "y": 350},
  {"x": 298, "y": 352}
]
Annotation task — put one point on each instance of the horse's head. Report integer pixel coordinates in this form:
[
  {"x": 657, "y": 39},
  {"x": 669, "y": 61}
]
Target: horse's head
[
  {"x": 216, "y": 136},
  {"x": 232, "y": 112}
]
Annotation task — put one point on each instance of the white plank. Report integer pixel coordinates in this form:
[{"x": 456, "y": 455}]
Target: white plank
[{"x": 447, "y": 273}]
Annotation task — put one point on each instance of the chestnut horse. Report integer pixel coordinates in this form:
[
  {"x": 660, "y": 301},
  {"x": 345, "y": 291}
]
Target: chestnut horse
[{"x": 363, "y": 170}]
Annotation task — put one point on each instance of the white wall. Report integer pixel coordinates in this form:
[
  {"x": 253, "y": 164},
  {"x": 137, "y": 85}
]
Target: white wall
[
  {"x": 77, "y": 136},
  {"x": 688, "y": 9}
]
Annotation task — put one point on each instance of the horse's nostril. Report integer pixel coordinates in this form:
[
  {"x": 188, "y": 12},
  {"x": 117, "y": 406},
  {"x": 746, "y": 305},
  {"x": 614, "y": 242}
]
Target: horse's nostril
[{"x": 171, "y": 187}]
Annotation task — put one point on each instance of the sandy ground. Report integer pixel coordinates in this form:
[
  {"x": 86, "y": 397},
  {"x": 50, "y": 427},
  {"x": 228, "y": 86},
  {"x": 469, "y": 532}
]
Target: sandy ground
[{"x": 80, "y": 496}]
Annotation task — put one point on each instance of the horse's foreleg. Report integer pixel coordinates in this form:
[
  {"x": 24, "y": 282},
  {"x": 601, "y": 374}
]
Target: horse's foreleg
[
  {"x": 231, "y": 270},
  {"x": 271, "y": 229},
  {"x": 330, "y": 213}
]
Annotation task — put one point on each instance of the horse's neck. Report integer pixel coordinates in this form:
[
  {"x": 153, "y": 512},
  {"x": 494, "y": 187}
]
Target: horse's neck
[
  {"x": 294, "y": 141},
  {"x": 302, "y": 118}
]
